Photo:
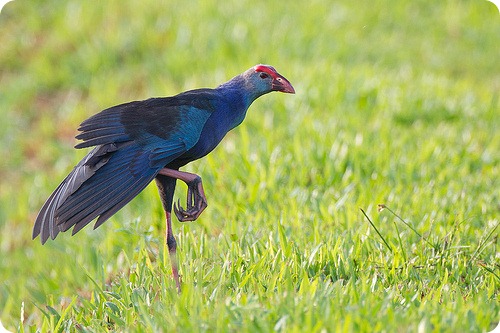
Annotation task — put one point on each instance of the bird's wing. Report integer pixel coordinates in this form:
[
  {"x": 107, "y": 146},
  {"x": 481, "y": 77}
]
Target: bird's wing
[
  {"x": 133, "y": 142},
  {"x": 107, "y": 126},
  {"x": 153, "y": 122},
  {"x": 102, "y": 183}
]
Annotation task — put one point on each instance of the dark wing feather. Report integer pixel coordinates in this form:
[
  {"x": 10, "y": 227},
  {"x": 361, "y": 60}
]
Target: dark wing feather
[
  {"x": 133, "y": 142},
  {"x": 103, "y": 128},
  {"x": 154, "y": 118},
  {"x": 97, "y": 189},
  {"x": 88, "y": 166}
]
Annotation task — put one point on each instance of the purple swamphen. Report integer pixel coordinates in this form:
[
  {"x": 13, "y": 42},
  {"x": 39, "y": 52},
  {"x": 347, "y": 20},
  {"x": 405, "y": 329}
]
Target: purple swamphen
[{"x": 139, "y": 141}]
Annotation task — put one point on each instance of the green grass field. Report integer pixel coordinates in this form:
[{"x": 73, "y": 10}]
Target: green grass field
[{"x": 397, "y": 103}]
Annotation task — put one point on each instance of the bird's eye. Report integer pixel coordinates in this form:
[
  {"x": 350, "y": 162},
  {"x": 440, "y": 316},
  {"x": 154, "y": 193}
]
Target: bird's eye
[{"x": 263, "y": 76}]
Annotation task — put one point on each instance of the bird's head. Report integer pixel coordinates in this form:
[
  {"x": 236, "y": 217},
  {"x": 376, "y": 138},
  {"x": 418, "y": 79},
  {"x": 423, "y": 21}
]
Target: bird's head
[{"x": 264, "y": 78}]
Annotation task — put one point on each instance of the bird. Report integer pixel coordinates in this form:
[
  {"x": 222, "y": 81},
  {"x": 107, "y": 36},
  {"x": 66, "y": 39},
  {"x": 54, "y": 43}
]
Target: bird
[{"x": 140, "y": 141}]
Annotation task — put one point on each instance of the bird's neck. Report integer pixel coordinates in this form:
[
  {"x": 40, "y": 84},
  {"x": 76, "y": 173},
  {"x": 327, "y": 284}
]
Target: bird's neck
[{"x": 238, "y": 92}]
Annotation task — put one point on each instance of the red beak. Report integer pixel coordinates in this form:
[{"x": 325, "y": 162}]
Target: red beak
[{"x": 280, "y": 83}]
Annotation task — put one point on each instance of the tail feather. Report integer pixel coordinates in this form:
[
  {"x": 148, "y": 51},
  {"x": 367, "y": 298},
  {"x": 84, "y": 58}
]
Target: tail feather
[
  {"x": 101, "y": 183},
  {"x": 113, "y": 206},
  {"x": 103, "y": 201},
  {"x": 45, "y": 221},
  {"x": 112, "y": 177},
  {"x": 127, "y": 196},
  {"x": 46, "y": 214}
]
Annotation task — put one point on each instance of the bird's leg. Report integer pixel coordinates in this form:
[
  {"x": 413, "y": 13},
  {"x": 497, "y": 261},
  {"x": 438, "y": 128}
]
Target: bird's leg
[
  {"x": 172, "y": 252},
  {"x": 196, "y": 200},
  {"x": 196, "y": 203},
  {"x": 166, "y": 188}
]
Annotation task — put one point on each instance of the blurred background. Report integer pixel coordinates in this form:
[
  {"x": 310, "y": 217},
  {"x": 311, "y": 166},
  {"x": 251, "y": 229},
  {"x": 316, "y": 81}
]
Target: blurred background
[{"x": 397, "y": 103}]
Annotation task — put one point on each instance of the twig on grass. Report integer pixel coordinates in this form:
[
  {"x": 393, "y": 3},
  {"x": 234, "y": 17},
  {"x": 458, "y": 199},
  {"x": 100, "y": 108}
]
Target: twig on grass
[{"x": 381, "y": 207}]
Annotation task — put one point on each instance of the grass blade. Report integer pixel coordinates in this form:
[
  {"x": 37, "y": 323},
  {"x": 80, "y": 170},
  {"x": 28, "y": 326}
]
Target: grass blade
[{"x": 376, "y": 230}]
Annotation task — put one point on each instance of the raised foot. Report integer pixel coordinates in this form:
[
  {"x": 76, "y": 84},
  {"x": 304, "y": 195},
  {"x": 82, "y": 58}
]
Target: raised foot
[{"x": 196, "y": 202}]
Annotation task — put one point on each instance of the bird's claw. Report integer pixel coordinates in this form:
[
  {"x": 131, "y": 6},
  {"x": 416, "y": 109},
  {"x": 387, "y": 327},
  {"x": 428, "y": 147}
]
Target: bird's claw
[{"x": 196, "y": 203}]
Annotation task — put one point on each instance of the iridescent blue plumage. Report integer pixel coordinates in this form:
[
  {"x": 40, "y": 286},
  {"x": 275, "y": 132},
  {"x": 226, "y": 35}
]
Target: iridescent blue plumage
[{"x": 134, "y": 143}]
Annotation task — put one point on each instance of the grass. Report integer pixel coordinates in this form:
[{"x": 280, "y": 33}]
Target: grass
[{"x": 397, "y": 104}]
